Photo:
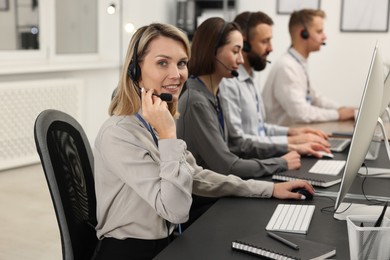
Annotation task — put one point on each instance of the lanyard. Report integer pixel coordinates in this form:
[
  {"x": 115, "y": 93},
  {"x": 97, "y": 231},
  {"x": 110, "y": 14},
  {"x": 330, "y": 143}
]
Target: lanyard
[
  {"x": 217, "y": 109},
  {"x": 308, "y": 97},
  {"x": 148, "y": 126},
  {"x": 260, "y": 127},
  {"x": 220, "y": 116}
]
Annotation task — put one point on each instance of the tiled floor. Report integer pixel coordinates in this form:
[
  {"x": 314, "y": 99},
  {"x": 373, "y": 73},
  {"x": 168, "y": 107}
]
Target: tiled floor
[{"x": 28, "y": 227}]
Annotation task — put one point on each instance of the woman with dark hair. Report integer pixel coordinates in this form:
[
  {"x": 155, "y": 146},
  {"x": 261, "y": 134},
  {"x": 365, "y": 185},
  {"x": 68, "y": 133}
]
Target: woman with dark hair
[{"x": 216, "y": 54}]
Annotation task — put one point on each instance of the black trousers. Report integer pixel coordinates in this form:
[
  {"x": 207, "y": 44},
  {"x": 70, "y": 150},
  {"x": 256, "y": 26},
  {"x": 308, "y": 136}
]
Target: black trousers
[{"x": 130, "y": 248}]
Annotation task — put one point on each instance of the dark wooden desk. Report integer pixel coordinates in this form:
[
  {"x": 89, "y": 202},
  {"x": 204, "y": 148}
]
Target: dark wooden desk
[
  {"x": 332, "y": 126},
  {"x": 342, "y": 126},
  {"x": 229, "y": 219},
  {"x": 377, "y": 187},
  {"x": 211, "y": 235}
]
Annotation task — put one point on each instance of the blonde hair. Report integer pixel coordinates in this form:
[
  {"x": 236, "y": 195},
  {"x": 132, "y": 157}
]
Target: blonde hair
[
  {"x": 303, "y": 18},
  {"x": 126, "y": 100}
]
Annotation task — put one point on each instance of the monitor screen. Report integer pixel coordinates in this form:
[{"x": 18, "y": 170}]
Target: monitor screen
[{"x": 366, "y": 120}]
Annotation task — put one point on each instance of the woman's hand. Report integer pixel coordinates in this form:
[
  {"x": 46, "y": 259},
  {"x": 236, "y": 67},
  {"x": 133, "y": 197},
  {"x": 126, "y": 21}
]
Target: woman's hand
[
  {"x": 306, "y": 130},
  {"x": 293, "y": 160},
  {"x": 309, "y": 149},
  {"x": 282, "y": 190},
  {"x": 156, "y": 112},
  {"x": 308, "y": 137}
]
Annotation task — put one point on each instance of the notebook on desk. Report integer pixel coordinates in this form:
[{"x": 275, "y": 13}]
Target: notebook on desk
[
  {"x": 338, "y": 144},
  {"x": 315, "y": 179},
  {"x": 265, "y": 246}
]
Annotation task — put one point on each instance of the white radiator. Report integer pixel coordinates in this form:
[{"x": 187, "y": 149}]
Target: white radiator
[{"x": 20, "y": 104}]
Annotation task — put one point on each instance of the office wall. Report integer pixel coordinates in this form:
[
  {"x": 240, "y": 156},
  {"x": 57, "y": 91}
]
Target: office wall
[
  {"x": 139, "y": 14},
  {"x": 98, "y": 74},
  {"x": 340, "y": 69},
  {"x": 7, "y": 28}
]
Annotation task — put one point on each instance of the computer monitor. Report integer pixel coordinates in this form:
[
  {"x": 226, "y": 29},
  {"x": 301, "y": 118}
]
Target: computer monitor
[
  {"x": 373, "y": 171},
  {"x": 365, "y": 124}
]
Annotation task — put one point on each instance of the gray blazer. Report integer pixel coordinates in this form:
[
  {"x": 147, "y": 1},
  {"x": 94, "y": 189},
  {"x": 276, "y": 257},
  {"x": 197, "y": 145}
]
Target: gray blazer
[{"x": 199, "y": 127}]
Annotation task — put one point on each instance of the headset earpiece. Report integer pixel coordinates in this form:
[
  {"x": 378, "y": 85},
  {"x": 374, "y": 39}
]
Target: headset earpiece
[
  {"x": 246, "y": 47},
  {"x": 305, "y": 33},
  {"x": 134, "y": 70}
]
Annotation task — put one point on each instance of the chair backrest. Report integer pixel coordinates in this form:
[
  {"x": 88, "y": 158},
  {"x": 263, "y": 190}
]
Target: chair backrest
[{"x": 67, "y": 161}]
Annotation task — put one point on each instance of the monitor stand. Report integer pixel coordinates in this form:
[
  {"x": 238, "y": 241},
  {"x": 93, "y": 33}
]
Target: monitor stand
[
  {"x": 347, "y": 209},
  {"x": 379, "y": 172}
]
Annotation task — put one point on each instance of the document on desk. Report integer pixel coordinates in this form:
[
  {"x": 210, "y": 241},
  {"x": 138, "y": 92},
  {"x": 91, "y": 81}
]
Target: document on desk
[{"x": 263, "y": 245}]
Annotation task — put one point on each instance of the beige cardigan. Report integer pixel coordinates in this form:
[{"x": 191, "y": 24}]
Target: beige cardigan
[{"x": 140, "y": 185}]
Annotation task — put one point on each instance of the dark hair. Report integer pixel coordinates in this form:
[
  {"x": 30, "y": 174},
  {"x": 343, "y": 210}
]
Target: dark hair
[
  {"x": 209, "y": 36},
  {"x": 303, "y": 18},
  {"x": 249, "y": 20}
]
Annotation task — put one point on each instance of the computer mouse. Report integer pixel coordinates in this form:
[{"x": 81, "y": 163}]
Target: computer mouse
[
  {"x": 326, "y": 155},
  {"x": 304, "y": 192}
]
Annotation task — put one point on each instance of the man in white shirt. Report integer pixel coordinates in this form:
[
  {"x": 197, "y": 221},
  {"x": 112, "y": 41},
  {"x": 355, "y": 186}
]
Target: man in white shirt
[
  {"x": 289, "y": 97},
  {"x": 241, "y": 99}
]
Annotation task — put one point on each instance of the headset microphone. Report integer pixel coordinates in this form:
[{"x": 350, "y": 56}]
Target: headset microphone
[
  {"x": 233, "y": 72},
  {"x": 164, "y": 97},
  {"x": 323, "y": 43},
  {"x": 268, "y": 61}
]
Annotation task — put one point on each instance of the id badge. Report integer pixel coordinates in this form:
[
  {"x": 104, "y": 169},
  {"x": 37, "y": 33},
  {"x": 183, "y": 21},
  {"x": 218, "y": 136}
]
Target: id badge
[
  {"x": 261, "y": 131},
  {"x": 308, "y": 99}
]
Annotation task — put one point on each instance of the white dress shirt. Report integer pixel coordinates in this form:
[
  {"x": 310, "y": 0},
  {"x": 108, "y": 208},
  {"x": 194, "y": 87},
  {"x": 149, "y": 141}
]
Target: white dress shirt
[
  {"x": 288, "y": 96},
  {"x": 244, "y": 112}
]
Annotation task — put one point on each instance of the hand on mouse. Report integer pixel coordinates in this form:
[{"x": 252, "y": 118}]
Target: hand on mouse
[
  {"x": 283, "y": 190},
  {"x": 305, "y": 195}
]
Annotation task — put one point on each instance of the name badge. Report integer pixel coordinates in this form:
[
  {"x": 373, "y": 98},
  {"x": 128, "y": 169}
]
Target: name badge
[
  {"x": 261, "y": 131},
  {"x": 308, "y": 99}
]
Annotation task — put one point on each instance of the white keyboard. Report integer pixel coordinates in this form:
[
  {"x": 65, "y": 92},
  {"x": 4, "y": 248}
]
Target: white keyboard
[
  {"x": 331, "y": 167},
  {"x": 292, "y": 218}
]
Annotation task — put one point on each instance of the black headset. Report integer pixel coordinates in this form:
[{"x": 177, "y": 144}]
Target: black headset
[
  {"x": 304, "y": 33},
  {"x": 134, "y": 70},
  {"x": 247, "y": 46},
  {"x": 219, "y": 37}
]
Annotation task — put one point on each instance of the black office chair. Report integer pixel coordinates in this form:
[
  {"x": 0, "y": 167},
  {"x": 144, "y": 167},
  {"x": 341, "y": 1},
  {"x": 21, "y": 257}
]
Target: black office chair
[{"x": 67, "y": 161}]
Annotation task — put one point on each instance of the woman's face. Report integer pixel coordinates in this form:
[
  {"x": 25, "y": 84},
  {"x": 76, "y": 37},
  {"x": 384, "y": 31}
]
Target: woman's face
[
  {"x": 164, "y": 67},
  {"x": 230, "y": 55}
]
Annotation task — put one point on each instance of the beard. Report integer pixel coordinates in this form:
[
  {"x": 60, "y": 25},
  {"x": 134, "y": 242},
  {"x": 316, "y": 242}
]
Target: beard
[{"x": 257, "y": 62}]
